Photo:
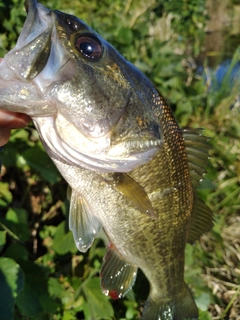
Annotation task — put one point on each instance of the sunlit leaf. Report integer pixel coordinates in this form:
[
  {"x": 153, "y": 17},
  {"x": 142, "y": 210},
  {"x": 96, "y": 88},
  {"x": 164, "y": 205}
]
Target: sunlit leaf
[
  {"x": 12, "y": 216},
  {"x": 99, "y": 304},
  {"x": 5, "y": 194},
  {"x": 204, "y": 315},
  {"x": 63, "y": 240},
  {"x": 18, "y": 229},
  {"x": 2, "y": 239},
  {"x": 54, "y": 287},
  {"x": 203, "y": 301}
]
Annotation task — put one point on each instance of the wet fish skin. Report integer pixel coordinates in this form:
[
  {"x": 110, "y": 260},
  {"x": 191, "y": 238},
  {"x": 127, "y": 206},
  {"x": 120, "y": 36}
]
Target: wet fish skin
[
  {"x": 156, "y": 246},
  {"x": 116, "y": 142}
]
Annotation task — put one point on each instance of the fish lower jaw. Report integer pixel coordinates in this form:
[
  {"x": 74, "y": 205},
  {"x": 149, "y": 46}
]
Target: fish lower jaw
[
  {"x": 59, "y": 149},
  {"x": 136, "y": 147},
  {"x": 102, "y": 146}
]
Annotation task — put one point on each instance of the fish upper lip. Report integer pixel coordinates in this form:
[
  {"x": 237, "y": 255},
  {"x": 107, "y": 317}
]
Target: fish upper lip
[
  {"x": 37, "y": 21},
  {"x": 31, "y": 50}
]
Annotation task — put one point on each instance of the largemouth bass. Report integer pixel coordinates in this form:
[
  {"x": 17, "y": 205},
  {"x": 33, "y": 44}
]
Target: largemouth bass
[{"x": 132, "y": 171}]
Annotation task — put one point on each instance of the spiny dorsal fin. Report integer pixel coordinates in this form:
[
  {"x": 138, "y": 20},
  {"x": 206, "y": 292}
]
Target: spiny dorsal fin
[
  {"x": 197, "y": 148},
  {"x": 117, "y": 275},
  {"x": 127, "y": 186},
  {"x": 201, "y": 222},
  {"x": 82, "y": 221}
]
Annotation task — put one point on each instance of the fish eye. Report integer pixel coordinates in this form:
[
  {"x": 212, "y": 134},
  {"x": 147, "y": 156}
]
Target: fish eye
[{"x": 89, "y": 46}]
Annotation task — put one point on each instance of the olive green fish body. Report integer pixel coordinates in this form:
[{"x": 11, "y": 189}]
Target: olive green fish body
[
  {"x": 161, "y": 241},
  {"x": 155, "y": 245}
]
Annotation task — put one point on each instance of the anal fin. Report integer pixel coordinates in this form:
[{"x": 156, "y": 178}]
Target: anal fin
[
  {"x": 82, "y": 221},
  {"x": 117, "y": 275}
]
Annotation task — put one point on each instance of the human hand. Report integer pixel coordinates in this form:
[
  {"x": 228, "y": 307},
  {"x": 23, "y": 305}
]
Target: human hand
[{"x": 11, "y": 120}]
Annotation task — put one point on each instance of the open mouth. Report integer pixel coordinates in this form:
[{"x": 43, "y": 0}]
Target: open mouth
[{"x": 58, "y": 148}]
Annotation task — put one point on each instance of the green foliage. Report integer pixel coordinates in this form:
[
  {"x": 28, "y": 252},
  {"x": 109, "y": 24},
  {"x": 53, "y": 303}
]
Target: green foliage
[
  {"x": 42, "y": 275},
  {"x": 11, "y": 282},
  {"x": 12, "y": 17},
  {"x": 189, "y": 19}
]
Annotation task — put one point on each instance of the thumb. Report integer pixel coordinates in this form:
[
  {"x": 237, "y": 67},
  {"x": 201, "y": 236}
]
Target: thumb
[{"x": 4, "y": 135}]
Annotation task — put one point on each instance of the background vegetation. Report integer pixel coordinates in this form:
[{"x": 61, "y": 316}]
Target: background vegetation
[{"x": 42, "y": 275}]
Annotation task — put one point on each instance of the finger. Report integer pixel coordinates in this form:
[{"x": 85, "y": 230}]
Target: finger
[
  {"x": 13, "y": 120},
  {"x": 4, "y": 135}
]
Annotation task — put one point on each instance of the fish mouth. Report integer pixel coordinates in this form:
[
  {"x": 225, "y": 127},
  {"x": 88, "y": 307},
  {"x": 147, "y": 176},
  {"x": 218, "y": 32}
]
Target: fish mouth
[
  {"x": 31, "y": 53},
  {"x": 98, "y": 155},
  {"x": 20, "y": 87},
  {"x": 38, "y": 63},
  {"x": 38, "y": 55}
]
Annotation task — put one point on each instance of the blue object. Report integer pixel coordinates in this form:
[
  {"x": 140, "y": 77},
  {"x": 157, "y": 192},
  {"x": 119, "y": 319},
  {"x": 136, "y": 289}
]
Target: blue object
[
  {"x": 225, "y": 74},
  {"x": 215, "y": 77},
  {"x": 222, "y": 70}
]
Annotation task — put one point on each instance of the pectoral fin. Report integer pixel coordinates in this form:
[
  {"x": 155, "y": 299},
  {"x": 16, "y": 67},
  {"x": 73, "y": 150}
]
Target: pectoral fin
[
  {"x": 127, "y": 186},
  {"x": 82, "y": 221},
  {"x": 117, "y": 275}
]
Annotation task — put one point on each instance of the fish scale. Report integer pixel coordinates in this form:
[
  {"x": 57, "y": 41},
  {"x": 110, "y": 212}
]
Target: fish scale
[{"x": 131, "y": 170}]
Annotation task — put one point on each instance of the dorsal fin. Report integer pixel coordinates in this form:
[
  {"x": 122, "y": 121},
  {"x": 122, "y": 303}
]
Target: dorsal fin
[
  {"x": 82, "y": 221},
  {"x": 127, "y": 186},
  {"x": 117, "y": 275},
  {"x": 201, "y": 222},
  {"x": 197, "y": 149}
]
